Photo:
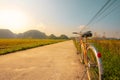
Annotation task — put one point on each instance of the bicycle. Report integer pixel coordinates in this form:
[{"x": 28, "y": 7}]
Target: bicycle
[{"x": 89, "y": 56}]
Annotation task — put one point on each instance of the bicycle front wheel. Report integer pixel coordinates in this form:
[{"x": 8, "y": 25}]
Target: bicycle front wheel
[{"x": 94, "y": 64}]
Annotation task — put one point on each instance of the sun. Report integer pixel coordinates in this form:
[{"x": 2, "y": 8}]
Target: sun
[{"x": 13, "y": 19}]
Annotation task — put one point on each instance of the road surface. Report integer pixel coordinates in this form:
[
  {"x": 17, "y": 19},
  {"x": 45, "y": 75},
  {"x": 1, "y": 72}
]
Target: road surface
[{"x": 52, "y": 62}]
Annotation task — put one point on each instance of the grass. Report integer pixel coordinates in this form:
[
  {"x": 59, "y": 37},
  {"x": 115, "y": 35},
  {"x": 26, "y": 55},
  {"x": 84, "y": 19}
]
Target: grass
[
  {"x": 110, "y": 50},
  {"x": 13, "y": 45}
]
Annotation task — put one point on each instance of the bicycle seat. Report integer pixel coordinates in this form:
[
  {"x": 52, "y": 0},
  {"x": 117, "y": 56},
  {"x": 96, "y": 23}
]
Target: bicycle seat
[{"x": 87, "y": 34}]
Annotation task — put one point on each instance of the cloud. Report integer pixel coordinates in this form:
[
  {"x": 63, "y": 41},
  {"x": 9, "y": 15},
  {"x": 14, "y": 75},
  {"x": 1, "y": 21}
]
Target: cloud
[
  {"x": 81, "y": 27},
  {"x": 41, "y": 26}
]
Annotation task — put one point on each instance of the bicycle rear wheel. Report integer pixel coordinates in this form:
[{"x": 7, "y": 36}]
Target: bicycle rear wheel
[{"x": 94, "y": 64}]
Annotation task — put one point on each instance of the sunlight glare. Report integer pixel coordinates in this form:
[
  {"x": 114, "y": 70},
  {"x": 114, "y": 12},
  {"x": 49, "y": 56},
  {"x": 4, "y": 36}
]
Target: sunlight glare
[{"x": 13, "y": 19}]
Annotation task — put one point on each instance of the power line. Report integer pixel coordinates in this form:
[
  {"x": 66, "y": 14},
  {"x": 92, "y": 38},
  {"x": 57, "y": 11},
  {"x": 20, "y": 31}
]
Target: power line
[
  {"x": 98, "y": 12},
  {"x": 107, "y": 7},
  {"x": 112, "y": 10}
]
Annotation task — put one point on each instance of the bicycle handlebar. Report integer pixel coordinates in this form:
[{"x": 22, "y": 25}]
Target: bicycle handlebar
[{"x": 85, "y": 34}]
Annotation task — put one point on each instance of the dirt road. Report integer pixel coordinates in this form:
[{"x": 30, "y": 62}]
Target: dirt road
[{"x": 51, "y": 62}]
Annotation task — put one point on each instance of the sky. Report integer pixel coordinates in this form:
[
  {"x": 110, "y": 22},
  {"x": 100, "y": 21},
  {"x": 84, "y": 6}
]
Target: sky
[{"x": 59, "y": 16}]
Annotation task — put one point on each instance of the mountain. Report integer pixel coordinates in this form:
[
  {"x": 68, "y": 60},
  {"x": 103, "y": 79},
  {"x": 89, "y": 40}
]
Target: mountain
[
  {"x": 52, "y": 36},
  {"x": 5, "y": 33},
  {"x": 33, "y": 34},
  {"x": 63, "y": 37}
]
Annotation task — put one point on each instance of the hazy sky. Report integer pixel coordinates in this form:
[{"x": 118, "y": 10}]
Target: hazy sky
[{"x": 59, "y": 16}]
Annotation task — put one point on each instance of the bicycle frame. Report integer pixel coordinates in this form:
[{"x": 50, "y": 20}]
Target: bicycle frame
[
  {"x": 84, "y": 44},
  {"x": 88, "y": 58}
]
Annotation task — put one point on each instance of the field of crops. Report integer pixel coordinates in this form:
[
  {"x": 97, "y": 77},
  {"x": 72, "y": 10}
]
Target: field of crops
[
  {"x": 110, "y": 50},
  {"x": 12, "y": 45}
]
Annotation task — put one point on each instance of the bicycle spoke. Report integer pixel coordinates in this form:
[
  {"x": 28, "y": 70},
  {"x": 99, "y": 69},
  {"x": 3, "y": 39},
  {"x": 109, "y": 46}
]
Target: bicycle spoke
[{"x": 92, "y": 66}]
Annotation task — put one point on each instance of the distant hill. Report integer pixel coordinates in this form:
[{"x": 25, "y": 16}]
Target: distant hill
[
  {"x": 63, "y": 37},
  {"x": 52, "y": 36},
  {"x": 5, "y": 33},
  {"x": 33, "y": 34}
]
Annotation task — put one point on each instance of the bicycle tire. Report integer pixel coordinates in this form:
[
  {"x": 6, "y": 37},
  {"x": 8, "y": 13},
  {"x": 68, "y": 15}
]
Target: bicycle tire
[{"x": 94, "y": 64}]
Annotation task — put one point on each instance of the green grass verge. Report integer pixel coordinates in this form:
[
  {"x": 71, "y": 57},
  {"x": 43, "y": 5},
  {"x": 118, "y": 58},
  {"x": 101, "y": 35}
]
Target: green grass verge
[{"x": 110, "y": 50}]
